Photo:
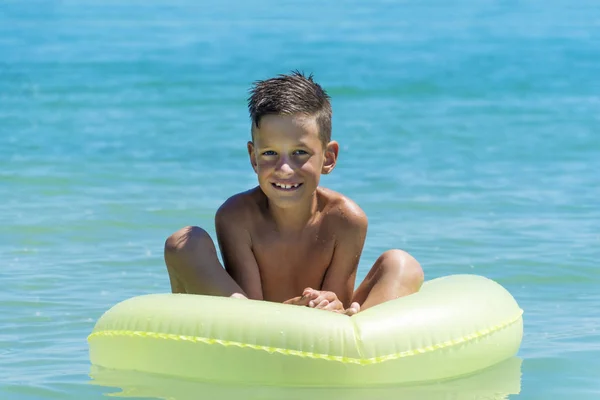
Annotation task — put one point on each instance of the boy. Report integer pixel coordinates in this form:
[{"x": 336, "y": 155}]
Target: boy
[{"x": 289, "y": 240}]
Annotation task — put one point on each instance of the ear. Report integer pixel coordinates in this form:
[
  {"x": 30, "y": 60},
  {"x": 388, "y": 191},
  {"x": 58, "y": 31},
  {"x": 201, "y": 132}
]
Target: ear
[
  {"x": 250, "y": 146},
  {"x": 331, "y": 155}
]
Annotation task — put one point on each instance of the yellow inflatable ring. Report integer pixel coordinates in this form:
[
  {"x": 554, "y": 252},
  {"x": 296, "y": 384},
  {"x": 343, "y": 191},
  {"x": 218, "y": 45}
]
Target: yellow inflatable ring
[{"x": 454, "y": 326}]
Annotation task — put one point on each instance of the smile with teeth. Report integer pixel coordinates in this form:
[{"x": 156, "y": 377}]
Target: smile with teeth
[{"x": 286, "y": 186}]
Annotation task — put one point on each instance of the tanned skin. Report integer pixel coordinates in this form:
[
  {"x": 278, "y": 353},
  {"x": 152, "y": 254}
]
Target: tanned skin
[{"x": 289, "y": 240}]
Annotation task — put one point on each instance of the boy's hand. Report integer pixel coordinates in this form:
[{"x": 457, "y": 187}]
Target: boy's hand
[
  {"x": 298, "y": 301},
  {"x": 326, "y": 300}
]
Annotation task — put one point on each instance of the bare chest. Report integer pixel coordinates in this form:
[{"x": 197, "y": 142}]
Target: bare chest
[{"x": 288, "y": 264}]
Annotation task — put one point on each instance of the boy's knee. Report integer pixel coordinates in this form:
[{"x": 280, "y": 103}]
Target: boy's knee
[
  {"x": 190, "y": 238},
  {"x": 400, "y": 263},
  {"x": 396, "y": 258}
]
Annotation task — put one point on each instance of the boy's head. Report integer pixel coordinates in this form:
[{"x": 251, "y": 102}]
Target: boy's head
[
  {"x": 293, "y": 94},
  {"x": 291, "y": 137}
]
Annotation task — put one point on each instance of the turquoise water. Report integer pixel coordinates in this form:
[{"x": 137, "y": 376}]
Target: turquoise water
[{"x": 469, "y": 134}]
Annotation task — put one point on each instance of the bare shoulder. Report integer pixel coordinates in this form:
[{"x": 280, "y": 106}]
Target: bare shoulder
[
  {"x": 343, "y": 211},
  {"x": 240, "y": 209},
  {"x": 240, "y": 204}
]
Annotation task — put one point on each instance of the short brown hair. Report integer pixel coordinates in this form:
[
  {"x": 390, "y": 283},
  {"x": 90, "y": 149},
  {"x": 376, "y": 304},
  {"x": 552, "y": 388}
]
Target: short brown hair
[{"x": 288, "y": 95}]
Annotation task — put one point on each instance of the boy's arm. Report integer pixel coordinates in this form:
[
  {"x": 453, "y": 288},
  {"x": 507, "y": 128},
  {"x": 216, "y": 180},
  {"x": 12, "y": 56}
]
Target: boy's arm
[
  {"x": 341, "y": 275},
  {"x": 236, "y": 250}
]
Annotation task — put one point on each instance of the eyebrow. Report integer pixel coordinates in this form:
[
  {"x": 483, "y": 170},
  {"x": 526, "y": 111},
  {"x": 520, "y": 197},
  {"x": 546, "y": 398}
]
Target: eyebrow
[{"x": 297, "y": 144}]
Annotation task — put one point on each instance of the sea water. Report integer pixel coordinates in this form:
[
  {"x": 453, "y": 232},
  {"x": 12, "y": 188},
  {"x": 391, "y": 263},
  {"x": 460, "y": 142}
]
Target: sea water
[{"x": 469, "y": 133}]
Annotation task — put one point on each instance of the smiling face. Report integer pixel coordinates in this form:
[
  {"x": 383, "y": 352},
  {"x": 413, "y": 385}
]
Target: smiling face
[{"x": 289, "y": 157}]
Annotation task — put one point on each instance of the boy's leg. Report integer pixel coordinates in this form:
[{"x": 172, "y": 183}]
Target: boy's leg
[
  {"x": 395, "y": 274},
  {"x": 193, "y": 266}
]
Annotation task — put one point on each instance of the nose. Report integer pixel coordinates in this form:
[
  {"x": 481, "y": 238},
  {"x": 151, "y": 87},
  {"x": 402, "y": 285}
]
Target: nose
[{"x": 284, "y": 167}]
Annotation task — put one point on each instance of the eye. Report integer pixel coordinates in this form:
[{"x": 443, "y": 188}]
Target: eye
[
  {"x": 269, "y": 153},
  {"x": 300, "y": 152}
]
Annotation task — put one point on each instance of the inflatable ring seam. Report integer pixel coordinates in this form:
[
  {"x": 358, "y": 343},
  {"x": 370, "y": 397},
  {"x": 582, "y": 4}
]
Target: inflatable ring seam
[
  {"x": 347, "y": 360},
  {"x": 358, "y": 341}
]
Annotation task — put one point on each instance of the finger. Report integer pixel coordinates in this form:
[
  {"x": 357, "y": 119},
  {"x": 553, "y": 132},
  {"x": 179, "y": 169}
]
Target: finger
[
  {"x": 297, "y": 301},
  {"x": 354, "y": 309},
  {"x": 304, "y": 301},
  {"x": 329, "y": 296},
  {"x": 321, "y": 305},
  {"x": 311, "y": 296},
  {"x": 314, "y": 295},
  {"x": 314, "y": 302},
  {"x": 292, "y": 300},
  {"x": 335, "y": 306}
]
